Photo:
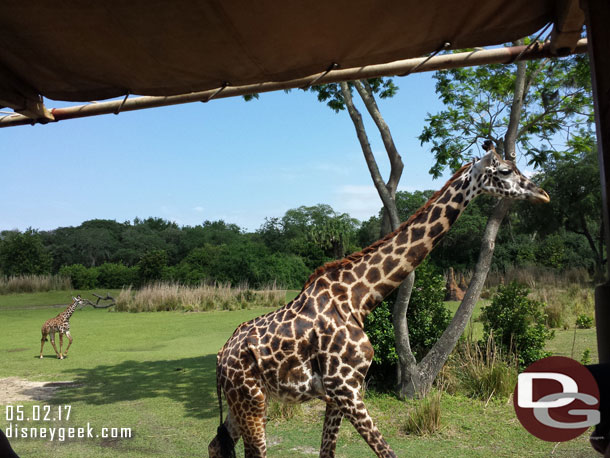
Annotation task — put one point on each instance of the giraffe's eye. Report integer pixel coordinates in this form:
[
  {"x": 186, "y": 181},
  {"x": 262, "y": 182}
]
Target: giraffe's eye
[{"x": 505, "y": 172}]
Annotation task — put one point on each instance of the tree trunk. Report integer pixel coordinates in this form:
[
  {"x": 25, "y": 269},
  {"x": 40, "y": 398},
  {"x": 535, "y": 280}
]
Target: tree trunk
[
  {"x": 407, "y": 376},
  {"x": 429, "y": 367},
  {"x": 433, "y": 362}
]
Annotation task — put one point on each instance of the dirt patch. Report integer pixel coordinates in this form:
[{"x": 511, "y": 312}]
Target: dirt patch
[
  {"x": 305, "y": 450},
  {"x": 14, "y": 389}
]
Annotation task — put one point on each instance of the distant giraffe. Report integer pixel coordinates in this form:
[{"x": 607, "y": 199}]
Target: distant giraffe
[
  {"x": 315, "y": 346},
  {"x": 61, "y": 324}
]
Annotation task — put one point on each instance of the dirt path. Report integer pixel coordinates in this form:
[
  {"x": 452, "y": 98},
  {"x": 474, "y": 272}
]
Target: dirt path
[{"x": 14, "y": 389}]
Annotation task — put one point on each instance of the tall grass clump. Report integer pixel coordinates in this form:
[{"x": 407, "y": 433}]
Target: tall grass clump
[
  {"x": 536, "y": 277},
  {"x": 425, "y": 418},
  {"x": 173, "y": 296},
  {"x": 480, "y": 370},
  {"x": 34, "y": 283},
  {"x": 277, "y": 410}
]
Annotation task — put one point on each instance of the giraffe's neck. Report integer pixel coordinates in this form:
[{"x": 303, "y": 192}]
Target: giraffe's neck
[
  {"x": 66, "y": 314},
  {"x": 385, "y": 264}
]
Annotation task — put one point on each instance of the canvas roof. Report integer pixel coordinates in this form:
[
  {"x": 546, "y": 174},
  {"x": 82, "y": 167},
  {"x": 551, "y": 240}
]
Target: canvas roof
[{"x": 78, "y": 50}]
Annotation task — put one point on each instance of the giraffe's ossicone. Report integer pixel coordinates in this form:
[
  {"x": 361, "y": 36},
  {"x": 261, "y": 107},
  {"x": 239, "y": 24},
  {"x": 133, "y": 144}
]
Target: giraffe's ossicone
[
  {"x": 60, "y": 324},
  {"x": 315, "y": 346}
]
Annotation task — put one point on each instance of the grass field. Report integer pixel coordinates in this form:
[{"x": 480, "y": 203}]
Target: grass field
[{"x": 155, "y": 373}]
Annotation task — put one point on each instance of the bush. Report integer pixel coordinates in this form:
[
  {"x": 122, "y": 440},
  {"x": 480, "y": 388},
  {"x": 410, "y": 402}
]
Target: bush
[
  {"x": 380, "y": 331},
  {"x": 517, "y": 323},
  {"x": 116, "y": 276},
  {"x": 584, "y": 322},
  {"x": 428, "y": 318},
  {"x": 152, "y": 266},
  {"x": 80, "y": 276}
]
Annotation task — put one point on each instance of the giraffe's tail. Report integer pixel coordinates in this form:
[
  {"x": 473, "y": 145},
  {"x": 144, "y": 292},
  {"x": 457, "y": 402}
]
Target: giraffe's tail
[{"x": 227, "y": 445}]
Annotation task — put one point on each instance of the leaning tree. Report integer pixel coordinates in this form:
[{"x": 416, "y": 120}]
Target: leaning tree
[{"x": 528, "y": 109}]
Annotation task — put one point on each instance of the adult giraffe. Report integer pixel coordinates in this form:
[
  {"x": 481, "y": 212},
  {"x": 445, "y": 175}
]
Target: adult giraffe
[{"x": 315, "y": 346}]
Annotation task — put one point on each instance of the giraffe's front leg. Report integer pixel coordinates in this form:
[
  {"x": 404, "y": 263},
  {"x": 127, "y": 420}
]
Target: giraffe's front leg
[
  {"x": 54, "y": 347},
  {"x": 69, "y": 336},
  {"x": 42, "y": 341},
  {"x": 61, "y": 343},
  {"x": 332, "y": 422}
]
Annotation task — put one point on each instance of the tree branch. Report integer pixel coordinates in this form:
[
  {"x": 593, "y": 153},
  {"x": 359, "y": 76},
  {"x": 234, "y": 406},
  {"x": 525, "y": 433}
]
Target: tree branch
[{"x": 382, "y": 190}]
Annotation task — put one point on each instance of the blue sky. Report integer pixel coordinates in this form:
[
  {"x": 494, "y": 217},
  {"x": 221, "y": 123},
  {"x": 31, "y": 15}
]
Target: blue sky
[{"x": 227, "y": 159}]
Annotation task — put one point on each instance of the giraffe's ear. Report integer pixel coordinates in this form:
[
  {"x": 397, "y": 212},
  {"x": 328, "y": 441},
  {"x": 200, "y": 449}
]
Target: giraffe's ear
[{"x": 485, "y": 162}]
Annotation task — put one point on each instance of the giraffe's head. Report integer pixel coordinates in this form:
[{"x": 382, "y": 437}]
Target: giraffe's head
[
  {"x": 493, "y": 175},
  {"x": 76, "y": 301}
]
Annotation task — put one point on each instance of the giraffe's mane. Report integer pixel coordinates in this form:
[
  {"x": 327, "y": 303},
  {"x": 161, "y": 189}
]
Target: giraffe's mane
[{"x": 350, "y": 259}]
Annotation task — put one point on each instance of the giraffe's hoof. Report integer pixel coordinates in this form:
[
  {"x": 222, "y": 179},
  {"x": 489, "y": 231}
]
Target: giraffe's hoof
[{"x": 41, "y": 356}]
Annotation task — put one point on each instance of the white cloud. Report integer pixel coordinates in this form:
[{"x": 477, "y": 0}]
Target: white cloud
[
  {"x": 360, "y": 201},
  {"x": 198, "y": 209}
]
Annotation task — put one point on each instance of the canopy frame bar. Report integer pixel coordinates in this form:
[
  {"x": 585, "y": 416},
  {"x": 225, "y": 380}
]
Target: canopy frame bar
[{"x": 476, "y": 57}]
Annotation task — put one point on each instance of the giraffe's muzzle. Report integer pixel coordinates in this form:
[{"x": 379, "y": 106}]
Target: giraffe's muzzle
[{"x": 540, "y": 197}]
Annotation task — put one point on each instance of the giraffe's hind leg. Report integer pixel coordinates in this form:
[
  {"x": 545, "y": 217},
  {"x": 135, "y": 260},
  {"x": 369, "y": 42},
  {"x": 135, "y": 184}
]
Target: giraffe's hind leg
[
  {"x": 69, "y": 336},
  {"x": 220, "y": 442},
  {"x": 54, "y": 347},
  {"x": 42, "y": 341},
  {"x": 250, "y": 414}
]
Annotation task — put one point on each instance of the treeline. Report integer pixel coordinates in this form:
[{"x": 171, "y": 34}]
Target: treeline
[{"x": 104, "y": 253}]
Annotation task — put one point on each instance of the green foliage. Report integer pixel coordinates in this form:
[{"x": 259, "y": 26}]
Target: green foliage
[
  {"x": 586, "y": 357},
  {"x": 427, "y": 317},
  {"x": 584, "y": 321},
  {"x": 331, "y": 92},
  {"x": 556, "y": 103},
  {"x": 80, "y": 276},
  {"x": 152, "y": 266},
  {"x": 380, "y": 331},
  {"x": 317, "y": 234},
  {"x": 517, "y": 323},
  {"x": 116, "y": 276},
  {"x": 23, "y": 254}
]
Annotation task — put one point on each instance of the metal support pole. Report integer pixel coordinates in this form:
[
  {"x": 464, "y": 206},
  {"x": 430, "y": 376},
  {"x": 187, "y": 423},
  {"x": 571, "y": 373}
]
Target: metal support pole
[{"x": 597, "y": 13}]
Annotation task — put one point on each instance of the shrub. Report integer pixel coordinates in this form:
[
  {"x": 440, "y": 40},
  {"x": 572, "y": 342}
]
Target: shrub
[
  {"x": 428, "y": 318},
  {"x": 380, "y": 331},
  {"x": 151, "y": 266},
  {"x": 425, "y": 417},
  {"x": 517, "y": 323},
  {"x": 115, "y": 276},
  {"x": 584, "y": 322},
  {"x": 80, "y": 276},
  {"x": 586, "y": 357}
]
